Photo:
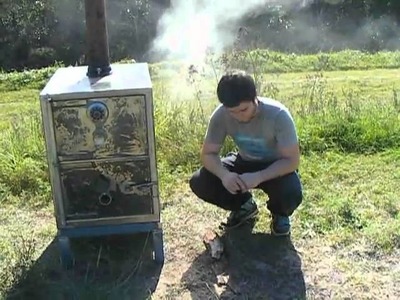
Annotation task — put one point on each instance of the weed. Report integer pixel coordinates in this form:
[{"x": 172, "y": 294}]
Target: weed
[{"x": 18, "y": 264}]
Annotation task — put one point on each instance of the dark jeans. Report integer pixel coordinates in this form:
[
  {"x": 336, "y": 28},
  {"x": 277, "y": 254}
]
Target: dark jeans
[{"x": 284, "y": 193}]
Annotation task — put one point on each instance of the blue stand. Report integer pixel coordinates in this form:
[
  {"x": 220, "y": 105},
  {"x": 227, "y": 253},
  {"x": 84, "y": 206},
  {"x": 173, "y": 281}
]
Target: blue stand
[{"x": 64, "y": 235}]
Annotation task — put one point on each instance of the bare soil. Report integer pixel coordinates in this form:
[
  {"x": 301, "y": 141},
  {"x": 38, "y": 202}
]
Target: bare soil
[{"x": 255, "y": 265}]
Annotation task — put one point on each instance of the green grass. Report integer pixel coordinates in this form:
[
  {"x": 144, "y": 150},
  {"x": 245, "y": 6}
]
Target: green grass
[
  {"x": 260, "y": 60},
  {"x": 348, "y": 118},
  {"x": 350, "y": 207},
  {"x": 345, "y": 192},
  {"x": 330, "y": 112},
  {"x": 275, "y": 62}
]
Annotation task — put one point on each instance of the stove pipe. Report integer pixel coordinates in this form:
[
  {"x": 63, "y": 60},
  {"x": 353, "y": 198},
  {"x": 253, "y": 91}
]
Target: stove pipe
[{"x": 97, "y": 39}]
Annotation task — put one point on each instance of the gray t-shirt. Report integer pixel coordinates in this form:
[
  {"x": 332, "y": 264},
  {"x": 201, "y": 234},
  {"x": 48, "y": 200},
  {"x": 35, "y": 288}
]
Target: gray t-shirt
[{"x": 258, "y": 139}]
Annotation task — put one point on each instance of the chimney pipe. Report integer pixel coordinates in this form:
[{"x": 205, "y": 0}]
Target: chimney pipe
[{"x": 97, "y": 39}]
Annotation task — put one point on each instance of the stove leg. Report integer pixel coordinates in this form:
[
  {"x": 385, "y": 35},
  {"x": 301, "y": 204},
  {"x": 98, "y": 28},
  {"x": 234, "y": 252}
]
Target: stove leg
[
  {"x": 65, "y": 252},
  {"x": 158, "y": 245}
]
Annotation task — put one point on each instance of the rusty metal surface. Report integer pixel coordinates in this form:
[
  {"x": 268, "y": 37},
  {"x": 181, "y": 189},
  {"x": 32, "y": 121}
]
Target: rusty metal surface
[
  {"x": 123, "y": 132},
  {"x": 86, "y": 186},
  {"x": 83, "y": 166}
]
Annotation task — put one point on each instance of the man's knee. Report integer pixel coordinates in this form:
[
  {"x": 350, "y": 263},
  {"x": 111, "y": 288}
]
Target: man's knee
[
  {"x": 293, "y": 192},
  {"x": 296, "y": 194},
  {"x": 200, "y": 181},
  {"x": 194, "y": 182},
  {"x": 286, "y": 194},
  {"x": 293, "y": 185}
]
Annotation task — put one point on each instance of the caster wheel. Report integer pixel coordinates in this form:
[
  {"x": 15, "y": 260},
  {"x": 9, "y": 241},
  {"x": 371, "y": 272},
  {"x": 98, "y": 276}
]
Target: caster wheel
[
  {"x": 65, "y": 252},
  {"x": 158, "y": 246}
]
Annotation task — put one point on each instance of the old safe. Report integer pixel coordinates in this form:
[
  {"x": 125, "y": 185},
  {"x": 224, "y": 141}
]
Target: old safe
[{"x": 100, "y": 143}]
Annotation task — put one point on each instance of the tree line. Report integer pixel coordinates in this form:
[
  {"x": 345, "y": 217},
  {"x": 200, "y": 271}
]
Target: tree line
[{"x": 35, "y": 34}]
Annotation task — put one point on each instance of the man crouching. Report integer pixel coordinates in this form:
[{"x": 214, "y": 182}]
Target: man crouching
[{"x": 267, "y": 158}]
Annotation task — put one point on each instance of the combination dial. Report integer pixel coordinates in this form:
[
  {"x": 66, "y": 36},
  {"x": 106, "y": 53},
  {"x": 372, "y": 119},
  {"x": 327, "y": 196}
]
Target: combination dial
[{"x": 98, "y": 112}]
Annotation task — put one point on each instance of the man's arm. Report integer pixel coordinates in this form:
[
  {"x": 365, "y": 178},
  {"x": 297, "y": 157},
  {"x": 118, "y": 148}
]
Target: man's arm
[
  {"x": 215, "y": 137},
  {"x": 288, "y": 148},
  {"x": 289, "y": 162},
  {"x": 288, "y": 152},
  {"x": 211, "y": 160}
]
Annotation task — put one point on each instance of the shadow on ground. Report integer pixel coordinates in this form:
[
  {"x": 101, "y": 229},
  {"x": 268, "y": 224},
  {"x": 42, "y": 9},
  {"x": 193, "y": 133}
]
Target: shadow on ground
[
  {"x": 114, "y": 267},
  {"x": 256, "y": 266}
]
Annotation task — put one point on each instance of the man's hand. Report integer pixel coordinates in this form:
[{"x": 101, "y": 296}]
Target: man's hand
[
  {"x": 251, "y": 180},
  {"x": 233, "y": 183}
]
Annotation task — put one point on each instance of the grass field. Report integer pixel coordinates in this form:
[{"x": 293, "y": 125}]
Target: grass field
[{"x": 346, "y": 235}]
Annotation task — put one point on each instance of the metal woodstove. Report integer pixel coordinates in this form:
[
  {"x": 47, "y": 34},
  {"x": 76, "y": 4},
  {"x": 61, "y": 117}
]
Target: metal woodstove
[{"x": 99, "y": 132}]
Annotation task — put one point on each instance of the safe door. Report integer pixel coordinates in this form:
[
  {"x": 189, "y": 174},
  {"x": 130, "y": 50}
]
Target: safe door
[
  {"x": 100, "y": 128},
  {"x": 107, "y": 189}
]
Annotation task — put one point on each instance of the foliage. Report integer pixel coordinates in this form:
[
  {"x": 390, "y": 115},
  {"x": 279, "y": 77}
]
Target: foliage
[
  {"x": 40, "y": 33},
  {"x": 54, "y": 30}
]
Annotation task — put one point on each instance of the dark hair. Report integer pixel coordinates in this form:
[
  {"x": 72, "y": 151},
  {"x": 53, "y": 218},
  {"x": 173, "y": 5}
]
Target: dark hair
[{"x": 235, "y": 87}]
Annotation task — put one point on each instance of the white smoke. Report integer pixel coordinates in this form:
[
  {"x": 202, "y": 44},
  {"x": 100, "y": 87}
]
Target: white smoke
[{"x": 191, "y": 28}]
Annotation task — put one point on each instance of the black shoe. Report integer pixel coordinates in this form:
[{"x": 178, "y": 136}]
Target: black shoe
[
  {"x": 246, "y": 212},
  {"x": 280, "y": 225}
]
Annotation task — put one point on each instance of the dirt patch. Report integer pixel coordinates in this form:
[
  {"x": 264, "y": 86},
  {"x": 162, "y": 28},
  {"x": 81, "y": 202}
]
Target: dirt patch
[
  {"x": 259, "y": 266},
  {"x": 255, "y": 265}
]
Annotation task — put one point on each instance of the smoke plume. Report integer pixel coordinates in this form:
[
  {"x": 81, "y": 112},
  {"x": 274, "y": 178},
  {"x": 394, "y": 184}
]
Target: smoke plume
[{"x": 191, "y": 28}]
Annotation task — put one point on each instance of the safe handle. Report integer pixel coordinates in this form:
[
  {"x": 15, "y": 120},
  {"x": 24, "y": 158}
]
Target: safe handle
[{"x": 136, "y": 188}]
